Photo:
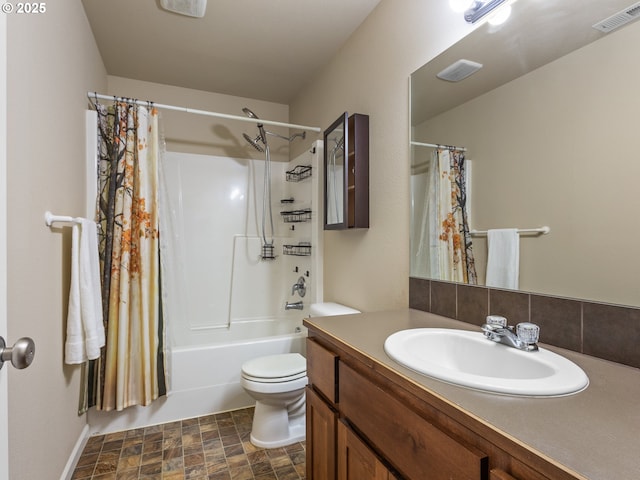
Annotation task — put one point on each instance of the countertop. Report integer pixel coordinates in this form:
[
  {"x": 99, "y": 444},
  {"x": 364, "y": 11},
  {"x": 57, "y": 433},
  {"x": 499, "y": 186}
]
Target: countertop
[{"x": 594, "y": 434}]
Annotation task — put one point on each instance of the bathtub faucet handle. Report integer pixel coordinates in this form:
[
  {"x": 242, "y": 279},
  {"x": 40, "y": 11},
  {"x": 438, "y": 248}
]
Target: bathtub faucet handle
[{"x": 299, "y": 287}]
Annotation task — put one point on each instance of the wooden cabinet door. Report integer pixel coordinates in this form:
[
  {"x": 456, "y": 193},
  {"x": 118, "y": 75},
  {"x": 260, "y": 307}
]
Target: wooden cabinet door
[
  {"x": 321, "y": 438},
  {"x": 355, "y": 460}
]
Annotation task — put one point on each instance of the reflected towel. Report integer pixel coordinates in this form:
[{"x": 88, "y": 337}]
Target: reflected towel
[
  {"x": 503, "y": 261},
  {"x": 85, "y": 330}
]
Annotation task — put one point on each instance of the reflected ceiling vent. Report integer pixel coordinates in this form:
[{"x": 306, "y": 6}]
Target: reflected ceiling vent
[
  {"x": 459, "y": 70},
  {"x": 619, "y": 19},
  {"x": 190, "y": 8}
]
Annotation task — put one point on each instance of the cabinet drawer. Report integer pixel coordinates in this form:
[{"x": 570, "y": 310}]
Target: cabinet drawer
[
  {"x": 322, "y": 370},
  {"x": 497, "y": 474},
  {"x": 414, "y": 446}
]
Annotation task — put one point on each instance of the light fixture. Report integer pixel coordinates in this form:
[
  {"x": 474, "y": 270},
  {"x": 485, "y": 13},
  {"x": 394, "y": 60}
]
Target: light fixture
[
  {"x": 190, "y": 8},
  {"x": 481, "y": 8}
]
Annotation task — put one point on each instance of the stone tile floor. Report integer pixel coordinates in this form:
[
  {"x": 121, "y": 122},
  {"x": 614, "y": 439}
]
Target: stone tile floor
[{"x": 213, "y": 447}]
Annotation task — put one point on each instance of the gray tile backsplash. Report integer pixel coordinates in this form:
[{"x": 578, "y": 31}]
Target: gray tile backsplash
[{"x": 606, "y": 331}]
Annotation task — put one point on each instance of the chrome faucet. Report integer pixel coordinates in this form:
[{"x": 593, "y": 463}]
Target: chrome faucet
[
  {"x": 524, "y": 338},
  {"x": 294, "y": 306},
  {"x": 299, "y": 287}
]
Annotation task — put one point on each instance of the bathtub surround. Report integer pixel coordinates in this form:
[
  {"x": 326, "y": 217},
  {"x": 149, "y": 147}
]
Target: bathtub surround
[{"x": 601, "y": 330}]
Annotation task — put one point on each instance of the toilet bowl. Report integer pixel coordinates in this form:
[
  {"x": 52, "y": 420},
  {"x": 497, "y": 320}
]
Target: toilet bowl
[{"x": 277, "y": 383}]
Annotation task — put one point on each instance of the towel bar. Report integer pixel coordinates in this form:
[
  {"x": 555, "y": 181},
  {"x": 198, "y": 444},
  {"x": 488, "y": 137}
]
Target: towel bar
[
  {"x": 50, "y": 218},
  {"x": 539, "y": 231}
]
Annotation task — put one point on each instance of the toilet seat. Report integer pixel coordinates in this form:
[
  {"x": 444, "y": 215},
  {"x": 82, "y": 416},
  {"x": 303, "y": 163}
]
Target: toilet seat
[{"x": 281, "y": 368}]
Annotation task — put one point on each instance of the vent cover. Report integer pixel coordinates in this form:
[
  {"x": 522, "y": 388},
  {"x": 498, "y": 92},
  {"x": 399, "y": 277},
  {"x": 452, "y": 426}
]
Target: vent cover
[
  {"x": 619, "y": 19},
  {"x": 459, "y": 70},
  {"x": 190, "y": 8}
]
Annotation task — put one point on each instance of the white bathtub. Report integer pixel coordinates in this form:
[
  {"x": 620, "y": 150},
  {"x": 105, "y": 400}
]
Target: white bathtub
[{"x": 205, "y": 379}]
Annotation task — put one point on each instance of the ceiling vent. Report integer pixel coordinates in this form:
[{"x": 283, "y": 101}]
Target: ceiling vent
[
  {"x": 459, "y": 70},
  {"x": 190, "y": 8},
  {"x": 619, "y": 19}
]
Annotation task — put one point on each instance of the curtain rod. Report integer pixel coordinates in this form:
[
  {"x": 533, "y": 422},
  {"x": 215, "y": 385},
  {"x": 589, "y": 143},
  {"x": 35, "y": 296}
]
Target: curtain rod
[
  {"x": 434, "y": 145},
  {"x": 91, "y": 95}
]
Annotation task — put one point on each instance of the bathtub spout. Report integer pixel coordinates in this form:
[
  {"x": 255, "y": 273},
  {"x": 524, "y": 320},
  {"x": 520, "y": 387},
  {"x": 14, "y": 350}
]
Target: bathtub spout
[{"x": 294, "y": 306}]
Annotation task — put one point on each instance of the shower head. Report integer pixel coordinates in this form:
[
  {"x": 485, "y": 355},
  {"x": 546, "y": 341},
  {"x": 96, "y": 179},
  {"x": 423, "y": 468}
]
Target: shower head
[
  {"x": 254, "y": 142},
  {"x": 250, "y": 114},
  {"x": 263, "y": 134}
]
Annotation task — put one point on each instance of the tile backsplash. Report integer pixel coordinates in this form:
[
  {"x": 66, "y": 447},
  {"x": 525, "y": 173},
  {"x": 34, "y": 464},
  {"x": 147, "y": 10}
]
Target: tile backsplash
[{"x": 611, "y": 332}]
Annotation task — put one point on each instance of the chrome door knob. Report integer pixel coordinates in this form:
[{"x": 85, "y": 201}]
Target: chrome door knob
[{"x": 21, "y": 354}]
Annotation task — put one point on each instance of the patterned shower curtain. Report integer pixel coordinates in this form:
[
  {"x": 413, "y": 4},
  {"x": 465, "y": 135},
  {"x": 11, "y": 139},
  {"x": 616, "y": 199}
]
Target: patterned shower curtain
[
  {"x": 130, "y": 370},
  {"x": 446, "y": 229}
]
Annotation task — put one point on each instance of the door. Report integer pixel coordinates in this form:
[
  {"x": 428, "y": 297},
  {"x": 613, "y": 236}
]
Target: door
[{"x": 4, "y": 407}]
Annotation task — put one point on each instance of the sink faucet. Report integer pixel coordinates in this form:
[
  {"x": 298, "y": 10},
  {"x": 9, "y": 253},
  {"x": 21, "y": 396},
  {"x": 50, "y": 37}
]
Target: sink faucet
[
  {"x": 294, "y": 306},
  {"x": 524, "y": 338}
]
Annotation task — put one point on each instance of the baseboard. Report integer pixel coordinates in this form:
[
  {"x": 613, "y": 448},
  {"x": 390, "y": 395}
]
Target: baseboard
[{"x": 67, "y": 473}]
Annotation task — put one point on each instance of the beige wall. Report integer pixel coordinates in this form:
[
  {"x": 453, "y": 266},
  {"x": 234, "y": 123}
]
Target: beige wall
[
  {"x": 185, "y": 132},
  {"x": 558, "y": 147},
  {"x": 52, "y": 62},
  {"x": 369, "y": 269}
]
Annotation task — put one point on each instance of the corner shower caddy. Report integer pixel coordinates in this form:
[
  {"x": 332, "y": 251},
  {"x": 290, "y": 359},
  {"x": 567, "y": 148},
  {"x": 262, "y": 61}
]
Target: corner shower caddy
[
  {"x": 303, "y": 249},
  {"x": 300, "y": 172},
  {"x": 296, "y": 216}
]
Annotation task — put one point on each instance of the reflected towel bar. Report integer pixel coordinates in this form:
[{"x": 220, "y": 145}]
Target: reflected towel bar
[
  {"x": 538, "y": 231},
  {"x": 50, "y": 218}
]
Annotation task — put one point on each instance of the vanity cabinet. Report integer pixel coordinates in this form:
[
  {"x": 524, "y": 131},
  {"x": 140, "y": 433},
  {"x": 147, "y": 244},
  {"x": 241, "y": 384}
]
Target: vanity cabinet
[{"x": 364, "y": 421}]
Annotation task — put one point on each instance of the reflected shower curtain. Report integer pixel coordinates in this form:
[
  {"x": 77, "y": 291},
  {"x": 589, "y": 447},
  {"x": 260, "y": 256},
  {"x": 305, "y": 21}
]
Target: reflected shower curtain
[
  {"x": 130, "y": 370},
  {"x": 444, "y": 239}
]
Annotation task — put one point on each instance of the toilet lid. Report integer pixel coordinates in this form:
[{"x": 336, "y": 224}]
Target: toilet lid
[{"x": 287, "y": 366}]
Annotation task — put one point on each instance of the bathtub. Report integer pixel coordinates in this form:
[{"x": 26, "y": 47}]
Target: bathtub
[{"x": 205, "y": 379}]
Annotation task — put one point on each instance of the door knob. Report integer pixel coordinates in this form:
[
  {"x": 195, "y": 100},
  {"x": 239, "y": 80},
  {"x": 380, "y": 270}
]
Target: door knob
[{"x": 20, "y": 355}]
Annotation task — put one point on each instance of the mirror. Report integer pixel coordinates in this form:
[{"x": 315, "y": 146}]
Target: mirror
[
  {"x": 346, "y": 167},
  {"x": 335, "y": 145},
  {"x": 550, "y": 127}
]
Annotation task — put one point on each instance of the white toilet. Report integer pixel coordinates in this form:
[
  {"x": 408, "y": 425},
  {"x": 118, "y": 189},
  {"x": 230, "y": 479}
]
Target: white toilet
[{"x": 277, "y": 383}]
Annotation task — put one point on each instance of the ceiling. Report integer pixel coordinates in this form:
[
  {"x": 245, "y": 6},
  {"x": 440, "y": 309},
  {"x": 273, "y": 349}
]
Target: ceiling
[{"x": 261, "y": 49}]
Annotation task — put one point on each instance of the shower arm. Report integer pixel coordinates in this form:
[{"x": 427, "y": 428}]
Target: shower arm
[{"x": 303, "y": 135}]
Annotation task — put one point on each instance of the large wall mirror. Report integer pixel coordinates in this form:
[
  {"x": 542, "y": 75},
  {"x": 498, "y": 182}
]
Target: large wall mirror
[{"x": 551, "y": 127}]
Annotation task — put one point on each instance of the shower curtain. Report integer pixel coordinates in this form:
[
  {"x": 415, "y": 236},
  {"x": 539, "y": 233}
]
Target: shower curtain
[
  {"x": 131, "y": 369},
  {"x": 445, "y": 243}
]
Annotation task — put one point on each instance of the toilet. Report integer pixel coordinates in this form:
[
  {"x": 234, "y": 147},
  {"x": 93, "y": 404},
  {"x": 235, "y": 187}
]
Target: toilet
[{"x": 277, "y": 383}]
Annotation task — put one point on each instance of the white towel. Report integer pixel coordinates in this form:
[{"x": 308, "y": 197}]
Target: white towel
[
  {"x": 503, "y": 260},
  {"x": 85, "y": 330}
]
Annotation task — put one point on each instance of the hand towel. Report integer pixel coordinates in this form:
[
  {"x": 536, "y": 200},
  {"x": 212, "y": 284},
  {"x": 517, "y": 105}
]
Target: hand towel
[
  {"x": 503, "y": 260},
  {"x": 85, "y": 329}
]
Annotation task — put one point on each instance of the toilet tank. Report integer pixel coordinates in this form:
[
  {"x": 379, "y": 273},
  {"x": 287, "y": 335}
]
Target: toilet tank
[{"x": 327, "y": 309}]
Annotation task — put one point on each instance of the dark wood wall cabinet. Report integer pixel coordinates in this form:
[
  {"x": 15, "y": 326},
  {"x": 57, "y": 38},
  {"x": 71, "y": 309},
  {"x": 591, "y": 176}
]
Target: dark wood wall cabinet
[
  {"x": 346, "y": 173},
  {"x": 366, "y": 422}
]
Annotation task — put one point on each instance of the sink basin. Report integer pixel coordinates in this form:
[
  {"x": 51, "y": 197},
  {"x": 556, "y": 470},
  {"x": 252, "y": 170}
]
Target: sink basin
[{"x": 470, "y": 360}]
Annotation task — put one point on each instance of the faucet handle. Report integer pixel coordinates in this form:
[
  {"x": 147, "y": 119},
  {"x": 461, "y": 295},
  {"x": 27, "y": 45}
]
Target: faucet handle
[
  {"x": 528, "y": 332},
  {"x": 497, "y": 320}
]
